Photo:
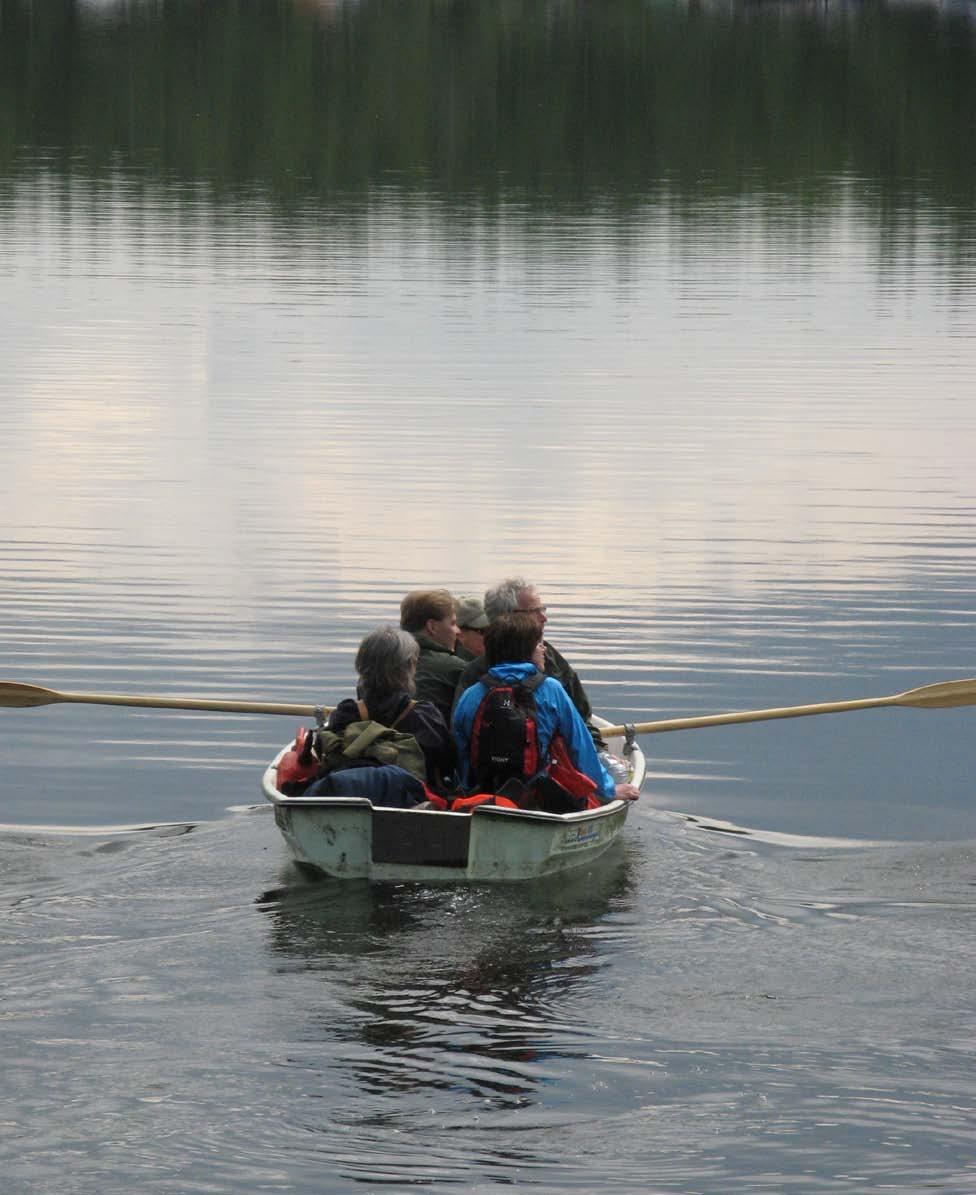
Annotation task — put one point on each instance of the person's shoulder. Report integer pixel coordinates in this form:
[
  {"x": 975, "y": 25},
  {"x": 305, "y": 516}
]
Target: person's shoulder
[
  {"x": 552, "y": 693},
  {"x": 473, "y": 671},
  {"x": 427, "y": 713},
  {"x": 434, "y": 656},
  {"x": 555, "y": 657},
  {"x": 470, "y": 697}
]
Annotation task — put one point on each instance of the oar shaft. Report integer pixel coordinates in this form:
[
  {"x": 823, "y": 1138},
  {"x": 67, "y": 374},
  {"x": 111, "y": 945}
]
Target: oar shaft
[
  {"x": 189, "y": 703},
  {"x": 17, "y": 695},
  {"x": 793, "y": 711},
  {"x": 945, "y": 695}
]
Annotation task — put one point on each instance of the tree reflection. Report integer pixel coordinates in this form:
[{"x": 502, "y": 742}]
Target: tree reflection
[{"x": 572, "y": 104}]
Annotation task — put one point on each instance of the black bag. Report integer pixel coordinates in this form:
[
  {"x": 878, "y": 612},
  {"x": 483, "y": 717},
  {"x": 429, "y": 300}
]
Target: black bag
[{"x": 505, "y": 735}]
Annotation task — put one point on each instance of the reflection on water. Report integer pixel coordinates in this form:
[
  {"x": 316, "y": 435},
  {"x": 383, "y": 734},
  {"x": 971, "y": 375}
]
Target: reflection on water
[
  {"x": 557, "y": 102},
  {"x": 669, "y": 307},
  {"x": 735, "y": 456},
  {"x": 700, "y": 1009},
  {"x": 448, "y": 991}
]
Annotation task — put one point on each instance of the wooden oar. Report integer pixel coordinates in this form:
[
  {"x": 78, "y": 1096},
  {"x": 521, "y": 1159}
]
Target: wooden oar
[
  {"x": 17, "y": 695},
  {"x": 944, "y": 696}
]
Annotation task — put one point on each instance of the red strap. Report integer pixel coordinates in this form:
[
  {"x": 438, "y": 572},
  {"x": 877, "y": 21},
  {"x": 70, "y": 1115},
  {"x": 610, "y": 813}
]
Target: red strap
[
  {"x": 466, "y": 804},
  {"x": 569, "y": 777}
]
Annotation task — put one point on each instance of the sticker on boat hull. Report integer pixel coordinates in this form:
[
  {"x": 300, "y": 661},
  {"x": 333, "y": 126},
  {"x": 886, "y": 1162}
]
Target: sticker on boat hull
[{"x": 577, "y": 837}]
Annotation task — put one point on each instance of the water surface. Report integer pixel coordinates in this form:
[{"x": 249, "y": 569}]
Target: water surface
[{"x": 670, "y": 309}]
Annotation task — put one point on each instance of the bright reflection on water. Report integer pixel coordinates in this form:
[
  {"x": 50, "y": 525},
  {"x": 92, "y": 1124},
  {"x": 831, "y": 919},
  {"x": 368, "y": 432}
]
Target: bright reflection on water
[
  {"x": 732, "y": 443},
  {"x": 671, "y": 309}
]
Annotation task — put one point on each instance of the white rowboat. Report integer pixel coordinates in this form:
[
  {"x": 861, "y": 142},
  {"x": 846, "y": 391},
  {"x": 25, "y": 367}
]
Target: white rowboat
[{"x": 349, "y": 838}]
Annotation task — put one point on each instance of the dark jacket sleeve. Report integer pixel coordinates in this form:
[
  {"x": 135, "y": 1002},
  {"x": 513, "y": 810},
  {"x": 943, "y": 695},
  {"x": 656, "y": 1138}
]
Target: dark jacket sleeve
[
  {"x": 426, "y": 723},
  {"x": 470, "y": 676}
]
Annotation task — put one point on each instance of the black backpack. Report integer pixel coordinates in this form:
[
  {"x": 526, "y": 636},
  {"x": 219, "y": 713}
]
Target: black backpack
[{"x": 505, "y": 734}]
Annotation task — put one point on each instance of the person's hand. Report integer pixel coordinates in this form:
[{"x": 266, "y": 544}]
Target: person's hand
[{"x": 626, "y": 792}]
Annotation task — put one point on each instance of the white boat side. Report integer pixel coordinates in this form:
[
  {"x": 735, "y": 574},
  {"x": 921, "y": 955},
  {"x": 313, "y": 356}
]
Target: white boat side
[{"x": 348, "y": 837}]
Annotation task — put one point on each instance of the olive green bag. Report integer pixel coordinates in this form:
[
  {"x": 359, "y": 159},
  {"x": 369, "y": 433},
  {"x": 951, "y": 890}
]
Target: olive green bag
[{"x": 363, "y": 744}]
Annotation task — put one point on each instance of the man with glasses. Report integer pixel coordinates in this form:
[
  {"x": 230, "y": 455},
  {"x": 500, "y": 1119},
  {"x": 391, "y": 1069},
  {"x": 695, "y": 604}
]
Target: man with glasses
[{"x": 515, "y": 593}]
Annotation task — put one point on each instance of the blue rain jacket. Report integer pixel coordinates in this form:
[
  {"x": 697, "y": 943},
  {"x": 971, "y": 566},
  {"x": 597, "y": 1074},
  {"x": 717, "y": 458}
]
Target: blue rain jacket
[{"x": 555, "y": 714}]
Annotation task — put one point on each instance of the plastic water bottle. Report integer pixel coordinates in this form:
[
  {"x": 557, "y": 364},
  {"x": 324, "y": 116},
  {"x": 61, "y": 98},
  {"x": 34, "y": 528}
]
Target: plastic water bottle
[{"x": 618, "y": 768}]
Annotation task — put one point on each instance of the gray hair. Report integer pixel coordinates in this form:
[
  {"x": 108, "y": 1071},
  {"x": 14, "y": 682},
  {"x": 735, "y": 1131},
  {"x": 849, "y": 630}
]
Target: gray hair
[
  {"x": 385, "y": 661},
  {"x": 503, "y": 598}
]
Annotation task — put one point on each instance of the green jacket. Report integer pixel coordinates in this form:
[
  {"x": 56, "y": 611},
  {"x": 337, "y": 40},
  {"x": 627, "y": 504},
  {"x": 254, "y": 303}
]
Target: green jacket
[{"x": 438, "y": 673}]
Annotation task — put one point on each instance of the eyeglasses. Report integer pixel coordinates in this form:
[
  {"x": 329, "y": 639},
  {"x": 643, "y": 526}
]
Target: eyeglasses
[{"x": 534, "y": 609}]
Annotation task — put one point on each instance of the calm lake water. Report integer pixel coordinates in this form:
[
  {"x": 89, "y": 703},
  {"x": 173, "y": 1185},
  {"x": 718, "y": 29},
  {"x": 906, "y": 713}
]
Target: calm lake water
[{"x": 670, "y": 308}]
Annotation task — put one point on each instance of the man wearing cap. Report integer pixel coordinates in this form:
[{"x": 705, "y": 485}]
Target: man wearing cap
[{"x": 471, "y": 621}]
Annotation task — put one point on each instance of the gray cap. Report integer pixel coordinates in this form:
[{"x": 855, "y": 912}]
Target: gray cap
[{"x": 471, "y": 613}]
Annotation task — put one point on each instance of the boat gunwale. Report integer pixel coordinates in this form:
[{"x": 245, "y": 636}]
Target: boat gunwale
[{"x": 299, "y": 801}]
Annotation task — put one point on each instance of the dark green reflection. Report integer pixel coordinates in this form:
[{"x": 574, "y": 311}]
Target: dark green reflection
[{"x": 569, "y": 101}]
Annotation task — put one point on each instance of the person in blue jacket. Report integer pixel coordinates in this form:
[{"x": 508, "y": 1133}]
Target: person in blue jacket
[{"x": 514, "y": 653}]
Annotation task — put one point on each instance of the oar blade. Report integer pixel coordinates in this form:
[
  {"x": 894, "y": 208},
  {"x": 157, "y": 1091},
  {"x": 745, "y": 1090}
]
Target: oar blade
[
  {"x": 943, "y": 696},
  {"x": 17, "y": 696}
]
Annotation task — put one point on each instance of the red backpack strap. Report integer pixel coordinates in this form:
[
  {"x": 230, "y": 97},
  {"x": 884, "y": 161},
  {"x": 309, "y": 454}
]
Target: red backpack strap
[
  {"x": 436, "y": 801},
  {"x": 579, "y": 786}
]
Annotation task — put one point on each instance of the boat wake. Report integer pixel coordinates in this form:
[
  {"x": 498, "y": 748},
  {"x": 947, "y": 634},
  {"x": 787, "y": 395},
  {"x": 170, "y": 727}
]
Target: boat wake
[{"x": 776, "y": 837}]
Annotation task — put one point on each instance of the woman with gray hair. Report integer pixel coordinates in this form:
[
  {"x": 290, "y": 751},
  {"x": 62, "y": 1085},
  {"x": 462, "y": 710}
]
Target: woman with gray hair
[{"x": 387, "y": 664}]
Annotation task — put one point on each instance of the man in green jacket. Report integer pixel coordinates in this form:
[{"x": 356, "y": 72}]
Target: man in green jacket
[{"x": 428, "y": 614}]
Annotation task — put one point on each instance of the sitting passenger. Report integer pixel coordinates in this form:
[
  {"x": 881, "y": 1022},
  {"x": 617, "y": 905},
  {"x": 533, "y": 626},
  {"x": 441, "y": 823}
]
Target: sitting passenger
[
  {"x": 514, "y": 653},
  {"x": 515, "y": 593},
  {"x": 428, "y": 614},
  {"x": 386, "y": 663},
  {"x": 471, "y": 621}
]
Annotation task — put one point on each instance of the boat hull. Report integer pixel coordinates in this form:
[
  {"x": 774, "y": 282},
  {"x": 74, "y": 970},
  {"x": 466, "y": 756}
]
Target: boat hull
[{"x": 349, "y": 838}]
